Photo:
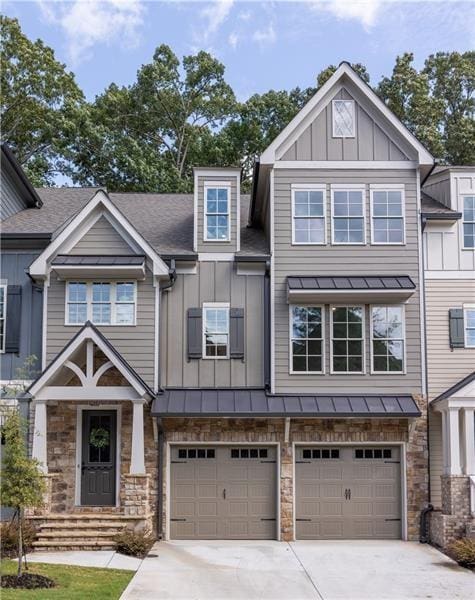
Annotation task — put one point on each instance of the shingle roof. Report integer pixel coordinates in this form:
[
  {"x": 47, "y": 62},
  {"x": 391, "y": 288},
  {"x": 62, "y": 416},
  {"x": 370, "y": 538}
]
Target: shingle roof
[
  {"x": 255, "y": 402},
  {"x": 164, "y": 220},
  {"x": 369, "y": 282},
  {"x": 433, "y": 209}
]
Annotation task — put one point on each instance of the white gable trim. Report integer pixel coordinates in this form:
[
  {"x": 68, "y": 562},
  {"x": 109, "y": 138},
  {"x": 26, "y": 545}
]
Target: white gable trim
[
  {"x": 62, "y": 360},
  {"x": 294, "y": 129},
  {"x": 99, "y": 205}
]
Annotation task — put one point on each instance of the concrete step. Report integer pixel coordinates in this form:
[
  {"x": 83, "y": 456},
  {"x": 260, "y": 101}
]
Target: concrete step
[
  {"x": 67, "y": 544},
  {"x": 91, "y": 516},
  {"x": 82, "y": 525},
  {"x": 76, "y": 534}
]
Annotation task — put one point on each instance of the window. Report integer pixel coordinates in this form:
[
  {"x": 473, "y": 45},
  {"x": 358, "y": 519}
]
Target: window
[
  {"x": 387, "y": 217},
  {"x": 308, "y": 216},
  {"x": 343, "y": 118},
  {"x": 306, "y": 338},
  {"x": 217, "y": 213},
  {"x": 319, "y": 453},
  {"x": 469, "y": 222},
  {"x": 216, "y": 331},
  {"x": 469, "y": 324},
  {"x": 102, "y": 302},
  {"x": 372, "y": 453},
  {"x": 3, "y": 315},
  {"x": 348, "y": 224},
  {"x": 248, "y": 452},
  {"x": 387, "y": 332},
  {"x": 347, "y": 339},
  {"x": 196, "y": 453}
]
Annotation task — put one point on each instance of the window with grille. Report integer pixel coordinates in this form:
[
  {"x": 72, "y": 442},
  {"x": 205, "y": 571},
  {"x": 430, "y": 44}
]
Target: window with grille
[
  {"x": 347, "y": 344},
  {"x": 343, "y": 118},
  {"x": 387, "y": 217},
  {"x": 306, "y": 339},
  {"x": 387, "y": 330},
  {"x": 217, "y": 214},
  {"x": 348, "y": 222}
]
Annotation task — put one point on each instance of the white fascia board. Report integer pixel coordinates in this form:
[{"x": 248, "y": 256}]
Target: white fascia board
[
  {"x": 87, "y": 334},
  {"x": 87, "y": 217},
  {"x": 346, "y": 164},
  {"x": 293, "y": 129}
]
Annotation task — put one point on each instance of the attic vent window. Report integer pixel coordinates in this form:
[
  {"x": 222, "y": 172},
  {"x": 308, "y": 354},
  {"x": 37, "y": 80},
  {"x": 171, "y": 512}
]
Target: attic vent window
[{"x": 343, "y": 118}]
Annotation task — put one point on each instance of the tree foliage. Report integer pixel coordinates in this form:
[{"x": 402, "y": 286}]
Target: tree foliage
[{"x": 39, "y": 105}]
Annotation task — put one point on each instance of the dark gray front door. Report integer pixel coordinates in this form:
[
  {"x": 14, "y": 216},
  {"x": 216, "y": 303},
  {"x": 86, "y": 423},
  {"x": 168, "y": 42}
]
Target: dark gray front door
[{"x": 98, "y": 468}]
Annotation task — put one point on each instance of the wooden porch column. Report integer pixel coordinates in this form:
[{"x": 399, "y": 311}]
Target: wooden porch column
[
  {"x": 453, "y": 431},
  {"x": 137, "y": 459},
  {"x": 469, "y": 441},
  {"x": 40, "y": 434}
]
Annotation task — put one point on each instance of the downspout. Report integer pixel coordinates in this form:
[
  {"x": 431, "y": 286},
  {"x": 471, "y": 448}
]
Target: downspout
[
  {"x": 161, "y": 434},
  {"x": 267, "y": 348}
]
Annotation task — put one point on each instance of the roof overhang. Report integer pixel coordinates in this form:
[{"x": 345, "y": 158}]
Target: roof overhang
[
  {"x": 362, "y": 289},
  {"x": 112, "y": 267},
  {"x": 256, "y": 403},
  {"x": 458, "y": 395},
  {"x": 28, "y": 193},
  {"x": 99, "y": 205},
  {"x": 445, "y": 218}
]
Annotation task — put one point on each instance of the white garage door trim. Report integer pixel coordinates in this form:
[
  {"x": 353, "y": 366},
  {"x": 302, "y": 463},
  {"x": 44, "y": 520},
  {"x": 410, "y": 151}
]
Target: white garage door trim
[
  {"x": 212, "y": 443},
  {"x": 401, "y": 445}
]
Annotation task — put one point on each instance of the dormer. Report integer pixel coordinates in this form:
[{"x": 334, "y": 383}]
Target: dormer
[{"x": 217, "y": 225}]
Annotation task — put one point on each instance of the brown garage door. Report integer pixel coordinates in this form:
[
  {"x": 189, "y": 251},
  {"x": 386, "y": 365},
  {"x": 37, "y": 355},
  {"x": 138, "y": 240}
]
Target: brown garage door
[
  {"x": 348, "y": 492},
  {"x": 221, "y": 492}
]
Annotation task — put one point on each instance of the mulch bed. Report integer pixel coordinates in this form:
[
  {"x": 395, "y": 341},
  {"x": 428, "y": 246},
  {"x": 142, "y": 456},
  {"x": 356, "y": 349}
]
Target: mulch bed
[{"x": 29, "y": 581}]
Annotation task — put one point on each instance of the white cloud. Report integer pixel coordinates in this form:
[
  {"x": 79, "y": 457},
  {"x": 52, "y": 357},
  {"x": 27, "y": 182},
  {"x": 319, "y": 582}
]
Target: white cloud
[
  {"x": 265, "y": 36},
  {"x": 244, "y": 15},
  {"x": 233, "y": 39},
  {"x": 364, "y": 11},
  {"x": 216, "y": 13},
  {"x": 87, "y": 23}
]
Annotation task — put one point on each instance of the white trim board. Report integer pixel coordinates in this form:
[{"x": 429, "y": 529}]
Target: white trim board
[{"x": 346, "y": 164}]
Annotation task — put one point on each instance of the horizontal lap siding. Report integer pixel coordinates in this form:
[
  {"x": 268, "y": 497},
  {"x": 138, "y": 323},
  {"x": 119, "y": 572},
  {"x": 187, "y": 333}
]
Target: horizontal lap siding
[
  {"x": 445, "y": 366},
  {"x": 214, "y": 282},
  {"x": 344, "y": 260},
  {"x": 436, "y": 457},
  {"x": 134, "y": 343}
]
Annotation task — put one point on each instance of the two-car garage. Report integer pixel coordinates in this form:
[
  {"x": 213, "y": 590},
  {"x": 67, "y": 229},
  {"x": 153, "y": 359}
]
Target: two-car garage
[{"x": 231, "y": 492}]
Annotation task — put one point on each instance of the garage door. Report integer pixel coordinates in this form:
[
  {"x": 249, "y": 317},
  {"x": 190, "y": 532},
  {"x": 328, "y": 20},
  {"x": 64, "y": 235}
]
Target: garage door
[
  {"x": 348, "y": 492},
  {"x": 221, "y": 492}
]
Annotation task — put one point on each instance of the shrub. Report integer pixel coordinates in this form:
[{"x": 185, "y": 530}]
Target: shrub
[
  {"x": 134, "y": 543},
  {"x": 463, "y": 551},
  {"x": 9, "y": 538}
]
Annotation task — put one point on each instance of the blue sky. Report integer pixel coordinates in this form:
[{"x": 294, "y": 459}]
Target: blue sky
[{"x": 263, "y": 45}]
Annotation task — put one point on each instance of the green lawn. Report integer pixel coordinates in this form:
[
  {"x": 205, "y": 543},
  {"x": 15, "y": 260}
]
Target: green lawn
[{"x": 72, "y": 583}]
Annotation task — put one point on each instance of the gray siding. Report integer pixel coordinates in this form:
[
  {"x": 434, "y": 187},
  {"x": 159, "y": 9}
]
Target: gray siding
[
  {"x": 230, "y": 246},
  {"x": 14, "y": 264},
  {"x": 344, "y": 260},
  {"x": 374, "y": 140},
  {"x": 102, "y": 238},
  {"x": 436, "y": 457},
  {"x": 214, "y": 282},
  {"x": 439, "y": 188},
  {"x": 11, "y": 201},
  {"x": 135, "y": 343}
]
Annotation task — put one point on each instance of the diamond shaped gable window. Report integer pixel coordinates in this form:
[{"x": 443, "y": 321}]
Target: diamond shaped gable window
[{"x": 343, "y": 118}]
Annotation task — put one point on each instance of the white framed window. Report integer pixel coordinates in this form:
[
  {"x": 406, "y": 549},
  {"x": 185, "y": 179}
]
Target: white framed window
[
  {"x": 469, "y": 325},
  {"x": 101, "y": 302},
  {"x": 343, "y": 112},
  {"x": 347, "y": 339},
  {"x": 216, "y": 213},
  {"x": 3, "y": 316},
  {"x": 387, "y": 339},
  {"x": 468, "y": 222},
  {"x": 387, "y": 215},
  {"x": 348, "y": 214},
  {"x": 308, "y": 214},
  {"x": 307, "y": 325},
  {"x": 216, "y": 330}
]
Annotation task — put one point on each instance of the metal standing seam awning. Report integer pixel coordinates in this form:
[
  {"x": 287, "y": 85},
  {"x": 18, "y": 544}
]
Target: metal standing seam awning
[
  {"x": 367, "y": 288},
  {"x": 249, "y": 403},
  {"x": 74, "y": 265}
]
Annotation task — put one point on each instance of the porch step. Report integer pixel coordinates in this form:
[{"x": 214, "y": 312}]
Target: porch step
[
  {"x": 83, "y": 534},
  {"x": 92, "y": 516},
  {"x": 96, "y": 524},
  {"x": 74, "y": 544}
]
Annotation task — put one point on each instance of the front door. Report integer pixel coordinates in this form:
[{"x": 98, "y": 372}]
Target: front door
[{"x": 98, "y": 465}]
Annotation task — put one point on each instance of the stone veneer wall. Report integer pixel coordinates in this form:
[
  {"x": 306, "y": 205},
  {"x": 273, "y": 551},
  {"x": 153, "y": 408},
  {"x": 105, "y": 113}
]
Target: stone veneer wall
[
  {"x": 316, "y": 430},
  {"x": 451, "y": 522}
]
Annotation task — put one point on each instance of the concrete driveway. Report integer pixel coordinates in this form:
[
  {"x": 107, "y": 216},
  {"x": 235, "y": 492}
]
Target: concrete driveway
[{"x": 369, "y": 570}]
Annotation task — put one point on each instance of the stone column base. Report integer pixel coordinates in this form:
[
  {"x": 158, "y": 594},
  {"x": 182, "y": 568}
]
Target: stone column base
[
  {"x": 444, "y": 529},
  {"x": 453, "y": 521}
]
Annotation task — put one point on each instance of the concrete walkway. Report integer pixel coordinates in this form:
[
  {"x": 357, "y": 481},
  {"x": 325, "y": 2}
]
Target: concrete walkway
[
  {"x": 105, "y": 559},
  {"x": 369, "y": 570}
]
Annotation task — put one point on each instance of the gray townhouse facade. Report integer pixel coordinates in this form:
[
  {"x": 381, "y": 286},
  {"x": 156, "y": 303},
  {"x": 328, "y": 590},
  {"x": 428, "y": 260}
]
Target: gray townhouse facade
[{"x": 230, "y": 366}]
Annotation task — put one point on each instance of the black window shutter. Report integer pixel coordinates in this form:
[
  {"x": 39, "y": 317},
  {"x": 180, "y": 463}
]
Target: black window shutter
[
  {"x": 12, "y": 325},
  {"x": 236, "y": 332},
  {"x": 456, "y": 328},
  {"x": 195, "y": 333}
]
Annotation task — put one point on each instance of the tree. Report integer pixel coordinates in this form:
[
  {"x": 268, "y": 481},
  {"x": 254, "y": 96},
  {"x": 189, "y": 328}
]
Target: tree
[
  {"x": 325, "y": 75},
  {"x": 22, "y": 481},
  {"x": 39, "y": 104},
  {"x": 141, "y": 137}
]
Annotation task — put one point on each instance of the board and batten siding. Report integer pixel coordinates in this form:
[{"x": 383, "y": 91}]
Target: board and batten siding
[
  {"x": 231, "y": 245},
  {"x": 344, "y": 260},
  {"x": 11, "y": 201},
  {"x": 213, "y": 282},
  {"x": 134, "y": 342},
  {"x": 102, "y": 238},
  {"x": 372, "y": 140}
]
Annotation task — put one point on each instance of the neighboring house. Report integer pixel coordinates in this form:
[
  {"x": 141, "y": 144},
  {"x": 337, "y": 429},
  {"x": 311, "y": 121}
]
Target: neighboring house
[
  {"x": 223, "y": 366},
  {"x": 448, "y": 211}
]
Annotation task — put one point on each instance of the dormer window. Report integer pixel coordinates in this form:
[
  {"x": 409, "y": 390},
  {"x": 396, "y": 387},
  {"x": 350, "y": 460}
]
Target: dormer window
[
  {"x": 217, "y": 213},
  {"x": 343, "y": 118}
]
